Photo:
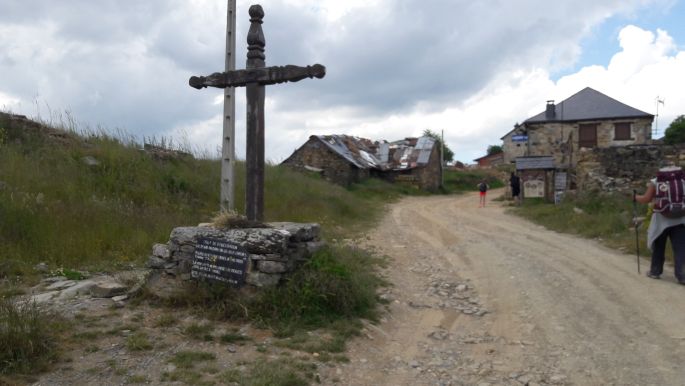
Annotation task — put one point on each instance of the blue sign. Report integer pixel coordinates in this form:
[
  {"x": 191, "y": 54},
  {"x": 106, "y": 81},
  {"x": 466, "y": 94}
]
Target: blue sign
[{"x": 519, "y": 138}]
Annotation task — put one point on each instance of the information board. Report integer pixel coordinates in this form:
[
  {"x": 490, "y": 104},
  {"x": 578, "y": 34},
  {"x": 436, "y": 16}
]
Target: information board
[{"x": 220, "y": 261}]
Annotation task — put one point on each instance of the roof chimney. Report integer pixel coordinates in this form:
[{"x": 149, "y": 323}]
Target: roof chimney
[{"x": 549, "y": 112}]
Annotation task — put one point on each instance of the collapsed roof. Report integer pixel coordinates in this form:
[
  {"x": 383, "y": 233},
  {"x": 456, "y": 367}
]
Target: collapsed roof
[{"x": 363, "y": 153}]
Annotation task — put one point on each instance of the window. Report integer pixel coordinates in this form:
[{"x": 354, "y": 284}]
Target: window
[
  {"x": 587, "y": 135},
  {"x": 622, "y": 131}
]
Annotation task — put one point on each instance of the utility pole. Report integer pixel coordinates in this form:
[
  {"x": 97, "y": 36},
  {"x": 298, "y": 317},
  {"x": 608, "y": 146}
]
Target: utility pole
[
  {"x": 228, "y": 143},
  {"x": 442, "y": 157}
]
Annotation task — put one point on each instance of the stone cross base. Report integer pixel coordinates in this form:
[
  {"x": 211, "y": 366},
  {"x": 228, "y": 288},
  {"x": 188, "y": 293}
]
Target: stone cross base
[{"x": 273, "y": 252}]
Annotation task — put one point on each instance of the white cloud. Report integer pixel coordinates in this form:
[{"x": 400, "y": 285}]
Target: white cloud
[{"x": 395, "y": 68}]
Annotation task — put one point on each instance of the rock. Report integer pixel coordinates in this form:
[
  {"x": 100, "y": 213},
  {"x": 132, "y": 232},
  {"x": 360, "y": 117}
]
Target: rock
[
  {"x": 53, "y": 279},
  {"x": 414, "y": 364},
  {"x": 267, "y": 266},
  {"x": 190, "y": 249},
  {"x": 231, "y": 349},
  {"x": 60, "y": 285},
  {"x": 80, "y": 288},
  {"x": 557, "y": 378},
  {"x": 298, "y": 231},
  {"x": 161, "y": 250},
  {"x": 106, "y": 287},
  {"x": 44, "y": 297},
  {"x": 578, "y": 210},
  {"x": 90, "y": 161},
  {"x": 262, "y": 279},
  {"x": 259, "y": 241},
  {"x": 41, "y": 267},
  {"x": 315, "y": 246},
  {"x": 462, "y": 287},
  {"x": 155, "y": 262},
  {"x": 185, "y": 266}
]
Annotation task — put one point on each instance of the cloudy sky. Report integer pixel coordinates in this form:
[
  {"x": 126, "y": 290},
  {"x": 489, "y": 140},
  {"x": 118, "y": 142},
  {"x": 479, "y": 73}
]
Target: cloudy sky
[{"x": 394, "y": 67}]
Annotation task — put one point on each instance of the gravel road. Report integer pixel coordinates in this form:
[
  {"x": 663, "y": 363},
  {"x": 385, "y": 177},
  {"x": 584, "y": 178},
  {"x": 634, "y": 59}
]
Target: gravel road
[{"x": 482, "y": 297}]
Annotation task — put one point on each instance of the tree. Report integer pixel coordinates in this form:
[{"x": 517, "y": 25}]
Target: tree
[
  {"x": 494, "y": 149},
  {"x": 675, "y": 133},
  {"x": 449, "y": 154}
]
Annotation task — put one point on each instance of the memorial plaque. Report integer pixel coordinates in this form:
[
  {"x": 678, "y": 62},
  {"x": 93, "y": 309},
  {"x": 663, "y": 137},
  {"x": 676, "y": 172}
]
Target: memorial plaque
[{"x": 220, "y": 261}]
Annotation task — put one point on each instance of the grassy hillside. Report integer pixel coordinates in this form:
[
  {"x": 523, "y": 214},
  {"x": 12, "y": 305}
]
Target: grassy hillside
[{"x": 97, "y": 201}]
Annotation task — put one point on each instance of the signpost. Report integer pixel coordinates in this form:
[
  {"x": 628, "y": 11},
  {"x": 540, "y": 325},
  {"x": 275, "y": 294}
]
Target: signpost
[
  {"x": 220, "y": 261},
  {"x": 254, "y": 78}
]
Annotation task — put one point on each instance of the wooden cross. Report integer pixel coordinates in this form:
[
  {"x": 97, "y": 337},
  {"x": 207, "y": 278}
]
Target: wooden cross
[{"x": 254, "y": 77}]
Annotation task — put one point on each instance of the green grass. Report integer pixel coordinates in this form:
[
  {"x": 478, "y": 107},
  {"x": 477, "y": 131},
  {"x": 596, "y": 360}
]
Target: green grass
[
  {"x": 57, "y": 209},
  {"x": 460, "y": 181},
  {"x": 138, "y": 342},
  {"x": 279, "y": 372},
  {"x": 188, "y": 359},
  {"x": 28, "y": 337},
  {"x": 601, "y": 216},
  {"x": 335, "y": 288}
]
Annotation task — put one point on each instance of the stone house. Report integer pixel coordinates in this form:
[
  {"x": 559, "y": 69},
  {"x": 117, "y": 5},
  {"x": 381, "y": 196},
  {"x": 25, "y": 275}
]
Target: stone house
[
  {"x": 587, "y": 119},
  {"x": 490, "y": 160},
  {"x": 344, "y": 159}
]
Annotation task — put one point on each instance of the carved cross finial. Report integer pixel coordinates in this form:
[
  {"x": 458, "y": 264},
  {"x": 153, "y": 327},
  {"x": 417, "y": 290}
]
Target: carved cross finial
[{"x": 255, "y": 38}]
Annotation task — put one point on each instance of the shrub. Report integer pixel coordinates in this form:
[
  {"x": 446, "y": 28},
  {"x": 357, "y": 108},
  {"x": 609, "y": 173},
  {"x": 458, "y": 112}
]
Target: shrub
[{"x": 27, "y": 337}]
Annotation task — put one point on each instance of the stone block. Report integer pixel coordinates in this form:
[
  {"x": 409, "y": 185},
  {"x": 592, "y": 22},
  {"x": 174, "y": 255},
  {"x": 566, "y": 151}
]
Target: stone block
[
  {"x": 155, "y": 262},
  {"x": 314, "y": 246},
  {"x": 107, "y": 287},
  {"x": 299, "y": 231},
  {"x": 81, "y": 288},
  {"x": 260, "y": 279},
  {"x": 161, "y": 251},
  {"x": 267, "y": 266},
  {"x": 271, "y": 257},
  {"x": 190, "y": 249},
  {"x": 185, "y": 266}
]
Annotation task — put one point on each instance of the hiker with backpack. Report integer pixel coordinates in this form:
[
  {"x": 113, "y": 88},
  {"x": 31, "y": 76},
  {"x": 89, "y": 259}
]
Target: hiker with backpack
[
  {"x": 515, "y": 183},
  {"x": 667, "y": 194},
  {"x": 483, "y": 189}
]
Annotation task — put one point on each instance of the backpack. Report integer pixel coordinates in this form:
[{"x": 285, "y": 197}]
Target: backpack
[
  {"x": 482, "y": 187},
  {"x": 670, "y": 192}
]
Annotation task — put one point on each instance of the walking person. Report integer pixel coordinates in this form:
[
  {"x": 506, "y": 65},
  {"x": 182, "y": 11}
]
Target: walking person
[
  {"x": 667, "y": 196},
  {"x": 483, "y": 189},
  {"x": 515, "y": 183}
]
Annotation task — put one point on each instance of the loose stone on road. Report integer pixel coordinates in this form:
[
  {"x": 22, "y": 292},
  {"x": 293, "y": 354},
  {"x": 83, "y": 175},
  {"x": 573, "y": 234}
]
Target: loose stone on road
[{"x": 482, "y": 297}]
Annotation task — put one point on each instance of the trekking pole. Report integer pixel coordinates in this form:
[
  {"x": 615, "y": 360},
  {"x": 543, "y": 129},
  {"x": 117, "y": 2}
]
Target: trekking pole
[{"x": 637, "y": 239}]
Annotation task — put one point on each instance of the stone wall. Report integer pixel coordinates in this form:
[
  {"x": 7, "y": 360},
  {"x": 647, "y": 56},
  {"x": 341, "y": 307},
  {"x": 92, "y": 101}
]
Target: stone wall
[
  {"x": 274, "y": 252},
  {"x": 428, "y": 177},
  {"x": 314, "y": 155},
  {"x": 561, "y": 139},
  {"x": 624, "y": 168}
]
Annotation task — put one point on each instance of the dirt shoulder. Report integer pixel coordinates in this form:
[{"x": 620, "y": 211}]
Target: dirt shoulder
[
  {"x": 478, "y": 297},
  {"x": 483, "y": 297}
]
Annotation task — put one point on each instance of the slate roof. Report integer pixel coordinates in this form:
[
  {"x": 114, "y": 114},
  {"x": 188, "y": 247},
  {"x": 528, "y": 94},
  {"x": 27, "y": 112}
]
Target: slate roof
[
  {"x": 363, "y": 153},
  {"x": 540, "y": 162},
  {"x": 589, "y": 104}
]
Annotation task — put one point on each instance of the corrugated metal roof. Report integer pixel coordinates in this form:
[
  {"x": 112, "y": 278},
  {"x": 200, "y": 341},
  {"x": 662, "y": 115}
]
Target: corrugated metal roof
[
  {"x": 357, "y": 151},
  {"x": 589, "y": 104},
  {"x": 542, "y": 162},
  {"x": 366, "y": 154}
]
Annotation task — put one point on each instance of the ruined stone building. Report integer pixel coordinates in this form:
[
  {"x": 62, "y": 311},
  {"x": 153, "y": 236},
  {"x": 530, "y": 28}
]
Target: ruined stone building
[
  {"x": 587, "y": 119},
  {"x": 344, "y": 160}
]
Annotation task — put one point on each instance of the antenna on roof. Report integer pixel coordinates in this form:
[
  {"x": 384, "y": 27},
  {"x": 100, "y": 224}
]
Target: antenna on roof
[{"x": 656, "y": 116}]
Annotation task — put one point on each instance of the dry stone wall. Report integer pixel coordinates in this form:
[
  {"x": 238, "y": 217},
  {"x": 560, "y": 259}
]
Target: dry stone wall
[
  {"x": 624, "y": 168},
  {"x": 274, "y": 252}
]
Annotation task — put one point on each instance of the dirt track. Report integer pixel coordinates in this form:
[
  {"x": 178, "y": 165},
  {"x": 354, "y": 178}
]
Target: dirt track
[{"x": 481, "y": 297}]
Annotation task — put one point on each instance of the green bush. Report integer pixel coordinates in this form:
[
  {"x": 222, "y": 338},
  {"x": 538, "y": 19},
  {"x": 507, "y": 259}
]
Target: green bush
[
  {"x": 27, "y": 337},
  {"x": 675, "y": 133}
]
